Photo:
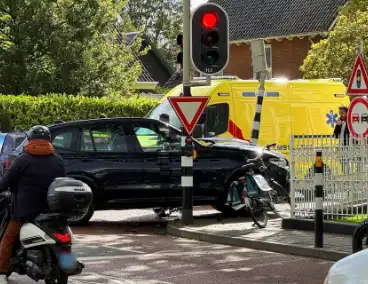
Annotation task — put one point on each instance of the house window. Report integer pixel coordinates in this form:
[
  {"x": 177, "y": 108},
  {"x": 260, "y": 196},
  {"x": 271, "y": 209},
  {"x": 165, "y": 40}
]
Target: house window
[{"x": 268, "y": 49}]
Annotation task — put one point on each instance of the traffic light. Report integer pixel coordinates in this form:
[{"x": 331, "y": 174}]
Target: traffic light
[
  {"x": 189, "y": 147},
  {"x": 179, "y": 57},
  {"x": 210, "y": 39}
]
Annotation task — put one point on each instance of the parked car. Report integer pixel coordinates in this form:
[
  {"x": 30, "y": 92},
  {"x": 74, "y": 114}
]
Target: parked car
[
  {"x": 136, "y": 163},
  {"x": 2, "y": 138},
  {"x": 349, "y": 270},
  {"x": 8, "y": 142}
]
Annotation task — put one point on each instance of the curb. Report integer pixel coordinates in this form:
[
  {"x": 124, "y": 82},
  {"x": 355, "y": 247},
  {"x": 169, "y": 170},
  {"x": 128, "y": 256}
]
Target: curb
[
  {"x": 328, "y": 226},
  {"x": 187, "y": 232}
]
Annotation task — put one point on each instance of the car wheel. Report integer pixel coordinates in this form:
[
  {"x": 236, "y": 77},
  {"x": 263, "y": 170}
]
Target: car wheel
[{"x": 83, "y": 218}]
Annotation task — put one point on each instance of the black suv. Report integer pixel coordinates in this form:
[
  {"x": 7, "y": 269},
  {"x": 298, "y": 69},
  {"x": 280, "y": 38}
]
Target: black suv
[{"x": 136, "y": 163}]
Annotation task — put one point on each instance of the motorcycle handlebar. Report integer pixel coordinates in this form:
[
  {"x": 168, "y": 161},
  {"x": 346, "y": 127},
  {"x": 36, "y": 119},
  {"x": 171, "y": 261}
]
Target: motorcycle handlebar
[
  {"x": 253, "y": 160},
  {"x": 248, "y": 166}
]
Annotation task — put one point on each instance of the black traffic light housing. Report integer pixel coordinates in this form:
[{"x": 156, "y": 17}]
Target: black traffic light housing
[
  {"x": 179, "y": 57},
  {"x": 189, "y": 147},
  {"x": 210, "y": 39}
]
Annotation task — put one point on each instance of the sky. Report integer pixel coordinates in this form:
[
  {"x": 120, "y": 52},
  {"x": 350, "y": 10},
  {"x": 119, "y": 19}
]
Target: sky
[{"x": 195, "y": 3}]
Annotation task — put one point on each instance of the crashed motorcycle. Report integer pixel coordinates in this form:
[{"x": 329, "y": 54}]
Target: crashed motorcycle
[{"x": 44, "y": 249}]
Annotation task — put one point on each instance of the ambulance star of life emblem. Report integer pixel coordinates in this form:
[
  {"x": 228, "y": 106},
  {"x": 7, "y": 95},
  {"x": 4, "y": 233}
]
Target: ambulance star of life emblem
[{"x": 331, "y": 118}]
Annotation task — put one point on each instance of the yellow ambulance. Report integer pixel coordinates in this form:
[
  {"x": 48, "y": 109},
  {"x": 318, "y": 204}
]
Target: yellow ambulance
[{"x": 290, "y": 107}]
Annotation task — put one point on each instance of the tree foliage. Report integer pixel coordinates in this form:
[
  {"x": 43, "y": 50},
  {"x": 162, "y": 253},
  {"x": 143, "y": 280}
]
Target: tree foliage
[
  {"x": 27, "y": 111},
  {"x": 335, "y": 55},
  {"x": 161, "y": 20},
  {"x": 64, "y": 46}
]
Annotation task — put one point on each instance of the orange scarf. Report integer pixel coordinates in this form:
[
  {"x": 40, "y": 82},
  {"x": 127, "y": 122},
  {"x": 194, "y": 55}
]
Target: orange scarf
[{"x": 39, "y": 147}]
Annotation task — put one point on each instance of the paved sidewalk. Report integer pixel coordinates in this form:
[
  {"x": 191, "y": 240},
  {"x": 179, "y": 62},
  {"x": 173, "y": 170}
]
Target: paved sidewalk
[{"x": 240, "y": 232}]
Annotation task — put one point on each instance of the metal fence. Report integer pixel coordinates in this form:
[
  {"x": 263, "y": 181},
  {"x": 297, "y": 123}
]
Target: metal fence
[{"x": 345, "y": 177}]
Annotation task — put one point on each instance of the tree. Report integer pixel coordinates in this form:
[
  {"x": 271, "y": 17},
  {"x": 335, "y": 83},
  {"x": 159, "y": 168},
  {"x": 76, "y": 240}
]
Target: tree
[
  {"x": 64, "y": 46},
  {"x": 161, "y": 20},
  {"x": 335, "y": 55}
]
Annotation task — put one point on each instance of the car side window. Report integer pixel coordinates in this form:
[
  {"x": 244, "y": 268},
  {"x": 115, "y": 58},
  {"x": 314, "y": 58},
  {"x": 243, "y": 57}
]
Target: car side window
[
  {"x": 217, "y": 118},
  {"x": 156, "y": 140},
  {"x": 63, "y": 140},
  {"x": 104, "y": 140}
]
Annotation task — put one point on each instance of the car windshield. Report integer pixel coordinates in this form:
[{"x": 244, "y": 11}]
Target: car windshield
[
  {"x": 165, "y": 108},
  {"x": 2, "y": 138}
]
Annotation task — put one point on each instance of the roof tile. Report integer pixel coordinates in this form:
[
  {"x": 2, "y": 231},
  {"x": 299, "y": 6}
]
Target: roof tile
[{"x": 251, "y": 19}]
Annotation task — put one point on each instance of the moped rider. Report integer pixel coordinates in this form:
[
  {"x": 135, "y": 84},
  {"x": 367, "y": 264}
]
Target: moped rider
[{"x": 28, "y": 179}]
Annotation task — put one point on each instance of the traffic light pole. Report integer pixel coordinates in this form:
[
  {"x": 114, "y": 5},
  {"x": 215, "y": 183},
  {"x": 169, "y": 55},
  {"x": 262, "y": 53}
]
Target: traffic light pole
[
  {"x": 187, "y": 155},
  {"x": 186, "y": 48}
]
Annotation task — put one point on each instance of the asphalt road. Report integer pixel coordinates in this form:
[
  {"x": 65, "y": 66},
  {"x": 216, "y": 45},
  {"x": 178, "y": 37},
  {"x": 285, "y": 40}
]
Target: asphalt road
[{"x": 118, "y": 250}]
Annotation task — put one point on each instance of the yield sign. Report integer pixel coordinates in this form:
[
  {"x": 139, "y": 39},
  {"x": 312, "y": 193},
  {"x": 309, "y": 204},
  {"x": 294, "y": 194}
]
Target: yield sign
[
  {"x": 357, "y": 119},
  {"x": 188, "y": 110},
  {"x": 358, "y": 84}
]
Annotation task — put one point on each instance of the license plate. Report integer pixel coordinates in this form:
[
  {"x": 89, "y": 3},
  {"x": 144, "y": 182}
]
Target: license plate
[{"x": 67, "y": 261}]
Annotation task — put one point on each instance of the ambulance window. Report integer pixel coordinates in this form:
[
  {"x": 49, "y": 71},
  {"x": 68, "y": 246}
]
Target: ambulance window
[{"x": 217, "y": 117}]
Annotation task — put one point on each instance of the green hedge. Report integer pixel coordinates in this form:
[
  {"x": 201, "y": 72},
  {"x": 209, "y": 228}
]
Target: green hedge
[{"x": 27, "y": 111}]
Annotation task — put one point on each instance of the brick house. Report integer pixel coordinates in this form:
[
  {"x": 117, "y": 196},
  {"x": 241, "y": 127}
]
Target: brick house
[{"x": 289, "y": 28}]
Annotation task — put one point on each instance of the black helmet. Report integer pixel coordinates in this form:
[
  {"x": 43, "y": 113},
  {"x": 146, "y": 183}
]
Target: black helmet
[{"x": 39, "y": 132}]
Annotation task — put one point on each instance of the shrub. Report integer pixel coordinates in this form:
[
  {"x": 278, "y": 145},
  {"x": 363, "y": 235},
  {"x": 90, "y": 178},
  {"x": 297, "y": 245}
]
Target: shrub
[
  {"x": 5, "y": 122},
  {"x": 27, "y": 111}
]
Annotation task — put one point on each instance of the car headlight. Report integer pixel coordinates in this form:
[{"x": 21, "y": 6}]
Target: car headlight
[{"x": 281, "y": 163}]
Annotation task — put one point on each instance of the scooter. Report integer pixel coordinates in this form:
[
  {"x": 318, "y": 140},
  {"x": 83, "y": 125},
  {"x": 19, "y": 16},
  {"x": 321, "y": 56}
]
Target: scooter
[{"x": 44, "y": 250}]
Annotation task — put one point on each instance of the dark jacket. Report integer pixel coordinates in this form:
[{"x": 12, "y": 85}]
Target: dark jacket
[
  {"x": 28, "y": 178},
  {"x": 337, "y": 132}
]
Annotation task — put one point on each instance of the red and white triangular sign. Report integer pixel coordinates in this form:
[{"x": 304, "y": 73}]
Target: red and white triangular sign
[
  {"x": 358, "y": 84},
  {"x": 188, "y": 110}
]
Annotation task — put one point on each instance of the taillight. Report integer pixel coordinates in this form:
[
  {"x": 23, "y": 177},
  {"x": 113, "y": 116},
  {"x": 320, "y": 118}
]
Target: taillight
[
  {"x": 7, "y": 164},
  {"x": 63, "y": 238}
]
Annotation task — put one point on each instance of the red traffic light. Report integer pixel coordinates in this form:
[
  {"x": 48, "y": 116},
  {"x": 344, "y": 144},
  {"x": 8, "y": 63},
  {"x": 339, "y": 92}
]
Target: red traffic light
[{"x": 209, "y": 20}]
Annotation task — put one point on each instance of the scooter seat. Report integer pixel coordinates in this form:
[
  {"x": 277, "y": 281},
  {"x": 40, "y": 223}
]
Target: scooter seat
[{"x": 47, "y": 217}]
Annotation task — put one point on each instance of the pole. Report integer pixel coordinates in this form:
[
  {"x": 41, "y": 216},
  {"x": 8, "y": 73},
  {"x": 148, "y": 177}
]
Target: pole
[
  {"x": 257, "y": 115},
  {"x": 186, "y": 48},
  {"x": 318, "y": 199},
  {"x": 187, "y": 156}
]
